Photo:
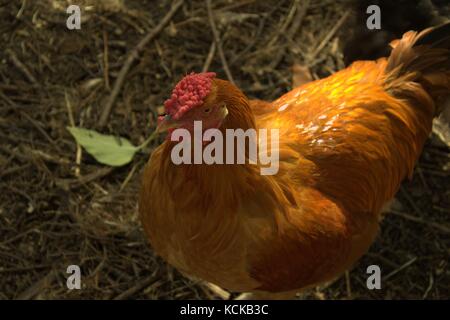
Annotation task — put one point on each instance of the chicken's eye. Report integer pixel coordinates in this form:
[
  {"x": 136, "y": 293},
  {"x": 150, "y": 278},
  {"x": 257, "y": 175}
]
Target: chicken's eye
[{"x": 207, "y": 110}]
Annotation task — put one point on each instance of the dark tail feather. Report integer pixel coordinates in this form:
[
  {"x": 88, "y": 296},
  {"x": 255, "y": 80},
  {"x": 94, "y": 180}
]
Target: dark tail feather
[
  {"x": 419, "y": 66},
  {"x": 438, "y": 37}
]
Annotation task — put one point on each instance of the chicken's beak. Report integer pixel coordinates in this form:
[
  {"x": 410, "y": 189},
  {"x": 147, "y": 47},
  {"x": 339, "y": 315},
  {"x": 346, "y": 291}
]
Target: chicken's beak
[
  {"x": 224, "y": 111},
  {"x": 165, "y": 123}
]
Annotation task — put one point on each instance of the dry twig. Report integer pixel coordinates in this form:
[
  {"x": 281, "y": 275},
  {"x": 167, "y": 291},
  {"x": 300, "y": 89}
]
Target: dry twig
[
  {"x": 211, "y": 53},
  {"x": 218, "y": 42},
  {"x": 22, "y": 67},
  {"x": 330, "y": 35},
  {"x": 134, "y": 54}
]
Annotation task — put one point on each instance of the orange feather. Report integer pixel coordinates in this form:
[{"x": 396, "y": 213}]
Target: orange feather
[{"x": 346, "y": 144}]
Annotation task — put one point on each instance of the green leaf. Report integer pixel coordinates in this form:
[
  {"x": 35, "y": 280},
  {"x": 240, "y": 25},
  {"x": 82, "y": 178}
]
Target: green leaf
[{"x": 106, "y": 149}]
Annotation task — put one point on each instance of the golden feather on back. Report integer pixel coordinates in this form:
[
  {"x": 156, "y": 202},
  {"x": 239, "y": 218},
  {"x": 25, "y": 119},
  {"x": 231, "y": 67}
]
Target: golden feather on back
[{"x": 346, "y": 143}]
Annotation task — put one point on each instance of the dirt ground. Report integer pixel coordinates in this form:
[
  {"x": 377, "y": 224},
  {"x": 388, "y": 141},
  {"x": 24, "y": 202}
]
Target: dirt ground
[{"x": 60, "y": 207}]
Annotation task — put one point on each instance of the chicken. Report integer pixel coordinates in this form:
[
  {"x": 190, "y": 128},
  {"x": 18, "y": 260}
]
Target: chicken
[{"x": 346, "y": 142}]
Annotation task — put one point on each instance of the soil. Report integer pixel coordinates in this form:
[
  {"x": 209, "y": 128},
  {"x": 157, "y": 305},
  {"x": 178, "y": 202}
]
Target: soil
[{"x": 59, "y": 207}]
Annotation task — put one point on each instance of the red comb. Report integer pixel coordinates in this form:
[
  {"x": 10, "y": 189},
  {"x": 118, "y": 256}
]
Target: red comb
[{"x": 189, "y": 93}]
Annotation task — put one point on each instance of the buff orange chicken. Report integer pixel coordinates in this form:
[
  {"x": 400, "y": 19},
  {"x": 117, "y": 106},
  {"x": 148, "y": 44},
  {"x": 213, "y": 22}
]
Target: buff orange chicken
[{"x": 345, "y": 143}]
